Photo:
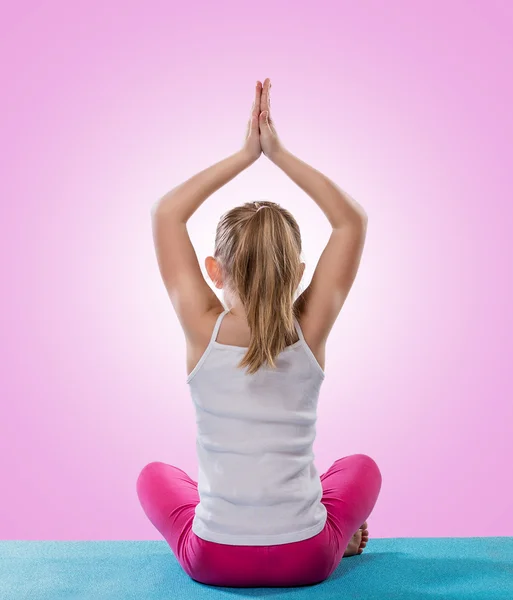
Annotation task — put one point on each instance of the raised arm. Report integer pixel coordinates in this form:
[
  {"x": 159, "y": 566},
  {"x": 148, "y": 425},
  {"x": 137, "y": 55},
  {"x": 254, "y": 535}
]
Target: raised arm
[
  {"x": 190, "y": 294},
  {"x": 320, "y": 303}
]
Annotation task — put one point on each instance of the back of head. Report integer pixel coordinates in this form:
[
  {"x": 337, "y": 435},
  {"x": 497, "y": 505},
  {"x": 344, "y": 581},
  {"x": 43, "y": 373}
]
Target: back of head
[{"x": 258, "y": 246}]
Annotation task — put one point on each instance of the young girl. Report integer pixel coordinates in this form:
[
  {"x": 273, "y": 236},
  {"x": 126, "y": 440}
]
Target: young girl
[{"x": 260, "y": 515}]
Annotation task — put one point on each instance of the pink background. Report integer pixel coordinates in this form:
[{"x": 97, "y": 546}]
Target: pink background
[{"x": 105, "y": 106}]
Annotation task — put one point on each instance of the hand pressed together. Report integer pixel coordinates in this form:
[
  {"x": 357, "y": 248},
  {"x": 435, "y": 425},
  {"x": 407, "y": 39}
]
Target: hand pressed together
[{"x": 261, "y": 133}]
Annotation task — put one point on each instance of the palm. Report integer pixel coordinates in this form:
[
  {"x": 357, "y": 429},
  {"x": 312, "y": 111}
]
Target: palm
[
  {"x": 252, "y": 140},
  {"x": 268, "y": 137},
  {"x": 261, "y": 133}
]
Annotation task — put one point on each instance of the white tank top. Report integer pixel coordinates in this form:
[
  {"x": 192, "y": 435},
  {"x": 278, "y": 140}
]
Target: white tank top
[{"x": 257, "y": 482}]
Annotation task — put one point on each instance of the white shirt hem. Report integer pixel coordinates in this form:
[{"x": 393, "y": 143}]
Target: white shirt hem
[{"x": 258, "y": 540}]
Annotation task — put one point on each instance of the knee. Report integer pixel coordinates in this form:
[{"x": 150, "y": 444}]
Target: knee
[
  {"x": 150, "y": 468},
  {"x": 369, "y": 464},
  {"x": 147, "y": 474},
  {"x": 364, "y": 462}
]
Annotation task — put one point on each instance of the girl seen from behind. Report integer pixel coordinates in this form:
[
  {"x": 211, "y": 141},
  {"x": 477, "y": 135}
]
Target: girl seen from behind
[{"x": 259, "y": 515}]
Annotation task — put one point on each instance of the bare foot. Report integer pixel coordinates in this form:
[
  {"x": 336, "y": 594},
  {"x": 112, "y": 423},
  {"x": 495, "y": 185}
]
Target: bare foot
[{"x": 358, "y": 541}]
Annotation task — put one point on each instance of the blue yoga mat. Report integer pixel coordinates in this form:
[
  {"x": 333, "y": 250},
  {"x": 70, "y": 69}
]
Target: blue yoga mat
[{"x": 391, "y": 568}]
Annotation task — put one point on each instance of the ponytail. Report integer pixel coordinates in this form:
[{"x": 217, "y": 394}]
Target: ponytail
[{"x": 264, "y": 274}]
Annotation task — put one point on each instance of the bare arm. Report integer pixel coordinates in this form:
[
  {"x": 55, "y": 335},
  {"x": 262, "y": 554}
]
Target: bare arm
[
  {"x": 338, "y": 206},
  {"x": 319, "y": 305},
  {"x": 190, "y": 294},
  {"x": 321, "y": 302}
]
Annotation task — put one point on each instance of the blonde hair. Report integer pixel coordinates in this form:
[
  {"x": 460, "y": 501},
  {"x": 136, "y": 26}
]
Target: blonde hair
[{"x": 258, "y": 247}]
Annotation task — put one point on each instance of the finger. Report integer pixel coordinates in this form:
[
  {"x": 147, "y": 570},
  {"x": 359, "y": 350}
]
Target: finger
[
  {"x": 255, "y": 109},
  {"x": 264, "y": 119},
  {"x": 253, "y": 124},
  {"x": 264, "y": 99}
]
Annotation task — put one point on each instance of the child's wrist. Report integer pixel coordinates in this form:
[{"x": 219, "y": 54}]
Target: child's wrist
[
  {"x": 277, "y": 155},
  {"x": 248, "y": 158}
]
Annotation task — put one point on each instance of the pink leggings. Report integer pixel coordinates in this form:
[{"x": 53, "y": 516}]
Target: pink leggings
[{"x": 169, "y": 496}]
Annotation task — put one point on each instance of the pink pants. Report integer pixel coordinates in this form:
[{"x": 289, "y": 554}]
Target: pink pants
[{"x": 169, "y": 496}]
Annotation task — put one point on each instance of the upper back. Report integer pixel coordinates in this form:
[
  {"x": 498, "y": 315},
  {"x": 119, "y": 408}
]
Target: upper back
[
  {"x": 220, "y": 328},
  {"x": 219, "y": 356}
]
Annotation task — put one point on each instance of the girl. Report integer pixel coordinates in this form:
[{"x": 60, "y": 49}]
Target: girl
[{"x": 260, "y": 515}]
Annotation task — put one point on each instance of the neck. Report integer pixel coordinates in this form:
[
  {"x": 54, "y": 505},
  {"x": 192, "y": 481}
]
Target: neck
[{"x": 235, "y": 307}]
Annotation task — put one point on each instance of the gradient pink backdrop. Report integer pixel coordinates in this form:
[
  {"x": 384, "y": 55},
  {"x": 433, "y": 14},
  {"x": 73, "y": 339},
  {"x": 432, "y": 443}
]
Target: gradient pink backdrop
[{"x": 107, "y": 105}]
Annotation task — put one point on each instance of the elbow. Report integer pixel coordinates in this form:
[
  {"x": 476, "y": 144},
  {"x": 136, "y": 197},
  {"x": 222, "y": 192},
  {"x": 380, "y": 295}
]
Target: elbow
[
  {"x": 361, "y": 214},
  {"x": 166, "y": 209},
  {"x": 359, "y": 218},
  {"x": 355, "y": 220},
  {"x": 351, "y": 216},
  {"x": 161, "y": 206},
  {"x": 154, "y": 208}
]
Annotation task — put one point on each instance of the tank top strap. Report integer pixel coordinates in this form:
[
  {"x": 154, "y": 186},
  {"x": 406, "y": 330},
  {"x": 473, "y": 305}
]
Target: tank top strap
[{"x": 218, "y": 324}]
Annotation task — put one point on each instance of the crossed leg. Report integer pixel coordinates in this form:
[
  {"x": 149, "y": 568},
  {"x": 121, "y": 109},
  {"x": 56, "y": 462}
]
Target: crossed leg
[
  {"x": 169, "y": 497},
  {"x": 351, "y": 488}
]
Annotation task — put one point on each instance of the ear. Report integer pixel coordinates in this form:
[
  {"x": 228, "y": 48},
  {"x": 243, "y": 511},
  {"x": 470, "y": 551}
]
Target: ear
[{"x": 214, "y": 271}]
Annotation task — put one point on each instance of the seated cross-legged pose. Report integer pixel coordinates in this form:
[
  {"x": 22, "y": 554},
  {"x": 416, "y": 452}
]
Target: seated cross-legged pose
[{"x": 260, "y": 514}]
